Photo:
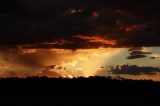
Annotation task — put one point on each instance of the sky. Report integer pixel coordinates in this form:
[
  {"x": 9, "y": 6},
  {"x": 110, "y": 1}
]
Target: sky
[{"x": 72, "y": 38}]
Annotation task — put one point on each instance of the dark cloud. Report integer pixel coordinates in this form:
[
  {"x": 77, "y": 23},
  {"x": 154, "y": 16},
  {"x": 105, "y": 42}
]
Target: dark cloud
[
  {"x": 135, "y": 70},
  {"x": 33, "y": 23},
  {"x": 138, "y": 52},
  {"x": 155, "y": 57},
  {"x": 136, "y": 56},
  {"x": 135, "y": 48}
]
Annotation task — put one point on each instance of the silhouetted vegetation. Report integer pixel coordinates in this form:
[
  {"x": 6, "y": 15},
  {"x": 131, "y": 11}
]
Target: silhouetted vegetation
[{"x": 80, "y": 90}]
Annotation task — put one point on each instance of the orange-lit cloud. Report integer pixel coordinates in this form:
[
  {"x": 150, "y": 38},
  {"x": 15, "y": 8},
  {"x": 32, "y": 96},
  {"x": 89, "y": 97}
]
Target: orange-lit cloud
[
  {"x": 135, "y": 27},
  {"x": 120, "y": 11},
  {"x": 95, "y": 14},
  {"x": 53, "y": 62},
  {"x": 128, "y": 28},
  {"x": 96, "y": 39},
  {"x": 58, "y": 42}
]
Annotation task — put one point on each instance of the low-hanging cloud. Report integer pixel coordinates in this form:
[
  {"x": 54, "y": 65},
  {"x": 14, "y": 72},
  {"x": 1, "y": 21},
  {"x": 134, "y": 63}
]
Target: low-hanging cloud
[
  {"x": 135, "y": 70},
  {"x": 136, "y": 56},
  {"x": 135, "y": 53}
]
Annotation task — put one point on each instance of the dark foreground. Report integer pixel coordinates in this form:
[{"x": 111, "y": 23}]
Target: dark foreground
[{"x": 83, "y": 91}]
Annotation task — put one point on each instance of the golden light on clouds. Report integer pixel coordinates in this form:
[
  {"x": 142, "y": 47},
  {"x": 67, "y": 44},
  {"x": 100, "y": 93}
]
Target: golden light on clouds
[
  {"x": 86, "y": 62},
  {"x": 68, "y": 63},
  {"x": 80, "y": 62}
]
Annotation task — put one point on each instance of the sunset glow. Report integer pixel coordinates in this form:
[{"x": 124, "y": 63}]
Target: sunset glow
[{"x": 73, "y": 38}]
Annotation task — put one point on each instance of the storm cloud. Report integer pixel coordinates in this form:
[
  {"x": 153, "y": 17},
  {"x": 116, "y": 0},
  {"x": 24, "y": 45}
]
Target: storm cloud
[{"x": 57, "y": 23}]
